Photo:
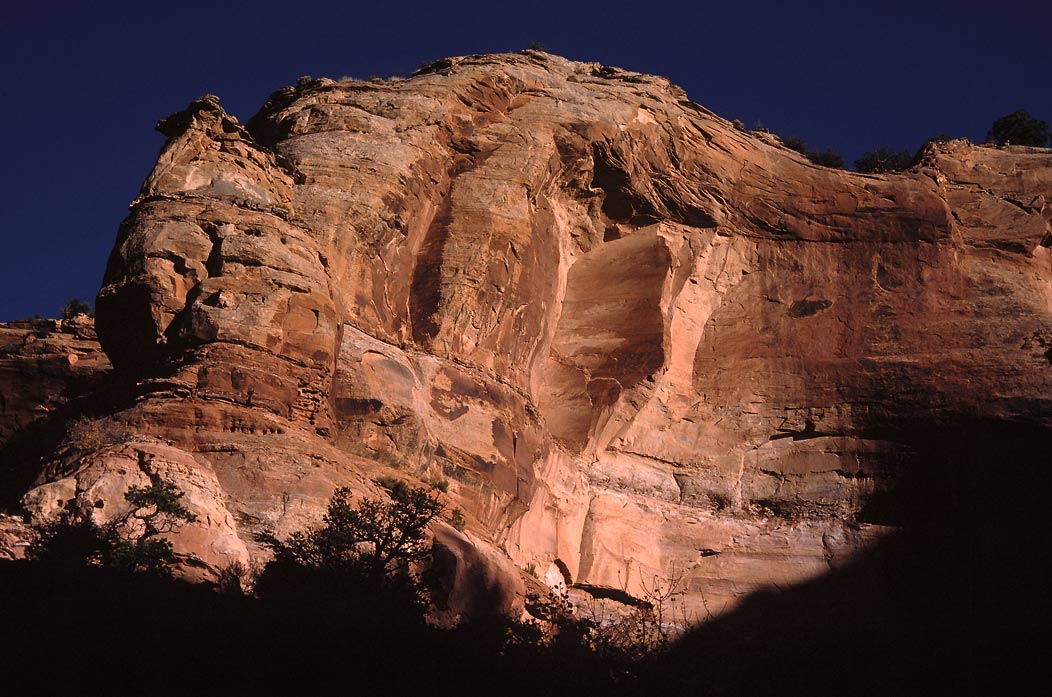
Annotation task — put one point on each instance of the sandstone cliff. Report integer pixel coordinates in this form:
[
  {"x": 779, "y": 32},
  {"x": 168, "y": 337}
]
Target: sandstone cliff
[{"x": 635, "y": 340}]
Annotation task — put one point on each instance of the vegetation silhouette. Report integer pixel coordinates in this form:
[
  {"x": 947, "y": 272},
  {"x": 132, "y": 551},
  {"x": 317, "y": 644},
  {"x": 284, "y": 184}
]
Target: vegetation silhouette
[
  {"x": 884, "y": 160},
  {"x": 130, "y": 541},
  {"x": 953, "y": 603},
  {"x": 74, "y": 307},
  {"x": 347, "y": 594},
  {"x": 1018, "y": 128},
  {"x": 359, "y": 562},
  {"x": 826, "y": 158}
]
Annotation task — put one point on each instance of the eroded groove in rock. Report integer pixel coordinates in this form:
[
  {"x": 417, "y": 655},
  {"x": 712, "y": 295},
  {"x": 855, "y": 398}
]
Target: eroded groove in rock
[{"x": 610, "y": 336}]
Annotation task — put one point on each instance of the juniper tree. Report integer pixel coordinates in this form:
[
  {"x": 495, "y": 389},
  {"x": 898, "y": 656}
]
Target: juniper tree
[{"x": 131, "y": 541}]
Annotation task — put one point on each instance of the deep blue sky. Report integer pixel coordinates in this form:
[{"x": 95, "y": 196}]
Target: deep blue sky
[{"x": 83, "y": 83}]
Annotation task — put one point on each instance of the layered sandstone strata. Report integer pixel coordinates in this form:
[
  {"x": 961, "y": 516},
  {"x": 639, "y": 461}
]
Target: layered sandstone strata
[{"x": 636, "y": 340}]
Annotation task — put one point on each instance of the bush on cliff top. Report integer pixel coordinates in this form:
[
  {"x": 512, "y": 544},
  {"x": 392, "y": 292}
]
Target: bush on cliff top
[
  {"x": 1019, "y": 128},
  {"x": 884, "y": 160},
  {"x": 74, "y": 307},
  {"x": 826, "y": 158}
]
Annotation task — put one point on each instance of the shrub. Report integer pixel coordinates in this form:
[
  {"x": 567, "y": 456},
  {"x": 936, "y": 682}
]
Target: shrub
[
  {"x": 438, "y": 483},
  {"x": 70, "y": 540},
  {"x": 1018, "y": 128},
  {"x": 234, "y": 579},
  {"x": 284, "y": 210},
  {"x": 457, "y": 520},
  {"x": 561, "y": 628},
  {"x": 89, "y": 434},
  {"x": 74, "y": 307},
  {"x": 392, "y": 484},
  {"x": 796, "y": 143},
  {"x": 654, "y": 622},
  {"x": 940, "y": 138},
  {"x": 828, "y": 158},
  {"x": 884, "y": 160}
]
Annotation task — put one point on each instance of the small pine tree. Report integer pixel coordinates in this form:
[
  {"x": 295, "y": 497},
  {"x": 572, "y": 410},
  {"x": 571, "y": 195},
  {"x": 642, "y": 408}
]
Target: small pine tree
[{"x": 158, "y": 508}]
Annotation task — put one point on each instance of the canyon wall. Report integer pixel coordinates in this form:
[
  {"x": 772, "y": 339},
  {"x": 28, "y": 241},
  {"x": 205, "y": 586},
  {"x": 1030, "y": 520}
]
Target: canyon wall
[{"x": 635, "y": 340}]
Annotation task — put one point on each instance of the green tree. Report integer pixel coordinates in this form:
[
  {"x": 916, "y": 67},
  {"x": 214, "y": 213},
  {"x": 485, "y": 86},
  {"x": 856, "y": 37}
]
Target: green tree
[
  {"x": 131, "y": 541},
  {"x": 1019, "y": 128},
  {"x": 158, "y": 508},
  {"x": 884, "y": 160}
]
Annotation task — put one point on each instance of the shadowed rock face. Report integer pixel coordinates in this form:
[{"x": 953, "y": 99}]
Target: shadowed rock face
[
  {"x": 634, "y": 339},
  {"x": 43, "y": 365}
]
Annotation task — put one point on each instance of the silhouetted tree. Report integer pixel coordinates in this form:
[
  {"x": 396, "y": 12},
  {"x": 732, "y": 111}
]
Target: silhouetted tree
[
  {"x": 74, "y": 307},
  {"x": 796, "y": 143},
  {"x": 1019, "y": 128},
  {"x": 373, "y": 542},
  {"x": 827, "y": 158},
  {"x": 884, "y": 160},
  {"x": 158, "y": 508},
  {"x": 71, "y": 540}
]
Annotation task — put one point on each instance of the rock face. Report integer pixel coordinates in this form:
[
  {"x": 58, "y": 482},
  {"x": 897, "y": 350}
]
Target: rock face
[
  {"x": 43, "y": 365},
  {"x": 636, "y": 341},
  {"x": 50, "y": 371},
  {"x": 101, "y": 477}
]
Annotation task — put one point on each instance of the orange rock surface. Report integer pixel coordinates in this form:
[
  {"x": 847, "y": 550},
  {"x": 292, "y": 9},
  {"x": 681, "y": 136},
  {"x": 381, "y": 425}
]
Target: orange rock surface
[{"x": 635, "y": 340}]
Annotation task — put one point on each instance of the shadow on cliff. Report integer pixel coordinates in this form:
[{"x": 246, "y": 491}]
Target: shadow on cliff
[
  {"x": 24, "y": 453},
  {"x": 956, "y": 602}
]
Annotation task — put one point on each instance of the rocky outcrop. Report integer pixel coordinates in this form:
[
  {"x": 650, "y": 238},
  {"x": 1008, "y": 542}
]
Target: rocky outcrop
[
  {"x": 636, "y": 340},
  {"x": 43, "y": 365},
  {"x": 51, "y": 373},
  {"x": 101, "y": 478}
]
